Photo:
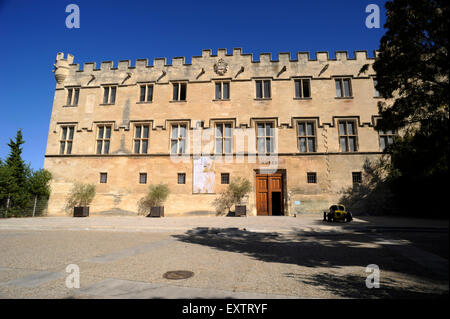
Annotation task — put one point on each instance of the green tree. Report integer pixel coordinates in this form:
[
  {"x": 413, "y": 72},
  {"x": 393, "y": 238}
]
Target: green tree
[
  {"x": 39, "y": 183},
  {"x": 6, "y": 184},
  {"x": 233, "y": 195},
  {"x": 18, "y": 173},
  {"x": 80, "y": 195},
  {"x": 156, "y": 196},
  {"x": 413, "y": 75}
]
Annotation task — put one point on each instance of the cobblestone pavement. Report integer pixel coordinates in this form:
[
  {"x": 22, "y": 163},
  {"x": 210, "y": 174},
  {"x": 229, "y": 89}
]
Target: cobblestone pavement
[{"x": 275, "y": 257}]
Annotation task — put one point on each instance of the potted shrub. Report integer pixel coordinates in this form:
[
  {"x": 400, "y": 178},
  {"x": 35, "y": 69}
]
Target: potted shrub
[
  {"x": 79, "y": 199},
  {"x": 151, "y": 204},
  {"x": 237, "y": 190}
]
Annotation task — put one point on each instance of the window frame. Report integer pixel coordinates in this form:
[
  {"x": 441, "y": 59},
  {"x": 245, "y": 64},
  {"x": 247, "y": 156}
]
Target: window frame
[
  {"x": 341, "y": 80},
  {"x": 227, "y": 180},
  {"x": 222, "y": 90},
  {"x": 266, "y": 137},
  {"x": 386, "y": 135},
  {"x": 179, "y": 84},
  {"x": 109, "y": 88},
  {"x": 302, "y": 95},
  {"x": 66, "y": 139},
  {"x": 376, "y": 92},
  {"x": 306, "y": 136},
  {"x": 141, "y": 138},
  {"x": 311, "y": 177},
  {"x": 183, "y": 175},
  {"x": 223, "y": 138},
  {"x": 73, "y": 95},
  {"x": 103, "y": 139},
  {"x": 146, "y": 87},
  {"x": 103, "y": 174},
  {"x": 358, "y": 176},
  {"x": 179, "y": 137},
  {"x": 348, "y": 136},
  {"x": 142, "y": 174},
  {"x": 263, "y": 95}
]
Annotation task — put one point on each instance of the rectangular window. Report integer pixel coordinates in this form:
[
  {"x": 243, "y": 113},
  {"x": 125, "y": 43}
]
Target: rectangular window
[
  {"x": 66, "y": 139},
  {"x": 302, "y": 88},
  {"x": 109, "y": 94},
  {"x": 222, "y": 90},
  {"x": 72, "y": 96},
  {"x": 103, "y": 178},
  {"x": 178, "y": 139},
  {"x": 141, "y": 137},
  {"x": 179, "y": 91},
  {"x": 356, "y": 177},
  {"x": 146, "y": 93},
  {"x": 376, "y": 93},
  {"x": 181, "y": 178},
  {"x": 306, "y": 135},
  {"x": 103, "y": 139},
  {"x": 386, "y": 138},
  {"x": 311, "y": 178},
  {"x": 265, "y": 137},
  {"x": 343, "y": 87},
  {"x": 224, "y": 138},
  {"x": 225, "y": 178},
  {"x": 142, "y": 178},
  {"x": 262, "y": 89},
  {"x": 348, "y": 136}
]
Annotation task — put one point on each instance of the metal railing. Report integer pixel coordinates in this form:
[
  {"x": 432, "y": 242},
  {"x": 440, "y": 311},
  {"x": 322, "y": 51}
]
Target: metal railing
[{"x": 36, "y": 206}]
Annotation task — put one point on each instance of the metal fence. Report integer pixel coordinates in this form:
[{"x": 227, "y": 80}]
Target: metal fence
[{"x": 36, "y": 206}]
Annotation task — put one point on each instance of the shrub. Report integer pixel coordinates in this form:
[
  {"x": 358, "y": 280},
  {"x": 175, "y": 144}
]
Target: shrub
[
  {"x": 233, "y": 195},
  {"x": 80, "y": 195},
  {"x": 156, "y": 196}
]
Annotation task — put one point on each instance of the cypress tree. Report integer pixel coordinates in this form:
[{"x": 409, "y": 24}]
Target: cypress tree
[{"x": 18, "y": 171}]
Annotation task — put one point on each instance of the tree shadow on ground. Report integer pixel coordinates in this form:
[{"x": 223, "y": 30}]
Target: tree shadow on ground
[
  {"x": 331, "y": 249},
  {"x": 353, "y": 286}
]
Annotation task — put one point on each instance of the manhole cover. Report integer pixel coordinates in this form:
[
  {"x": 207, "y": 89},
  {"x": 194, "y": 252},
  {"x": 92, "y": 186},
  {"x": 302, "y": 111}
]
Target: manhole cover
[{"x": 178, "y": 274}]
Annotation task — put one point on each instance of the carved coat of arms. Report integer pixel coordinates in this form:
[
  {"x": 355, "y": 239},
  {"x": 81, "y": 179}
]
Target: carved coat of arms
[{"x": 220, "y": 67}]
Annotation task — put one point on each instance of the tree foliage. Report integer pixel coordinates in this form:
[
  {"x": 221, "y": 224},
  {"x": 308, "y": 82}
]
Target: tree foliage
[
  {"x": 233, "y": 195},
  {"x": 156, "y": 196},
  {"x": 81, "y": 195},
  {"x": 412, "y": 66},
  {"x": 413, "y": 75},
  {"x": 19, "y": 184},
  {"x": 18, "y": 173}
]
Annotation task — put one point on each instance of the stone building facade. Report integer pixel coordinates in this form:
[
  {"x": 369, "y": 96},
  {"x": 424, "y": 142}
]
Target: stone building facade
[{"x": 299, "y": 129}]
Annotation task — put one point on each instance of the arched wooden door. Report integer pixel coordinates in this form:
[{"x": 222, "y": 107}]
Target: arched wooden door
[{"x": 269, "y": 194}]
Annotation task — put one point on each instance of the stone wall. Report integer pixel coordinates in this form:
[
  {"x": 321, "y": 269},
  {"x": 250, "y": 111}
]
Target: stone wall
[{"x": 243, "y": 110}]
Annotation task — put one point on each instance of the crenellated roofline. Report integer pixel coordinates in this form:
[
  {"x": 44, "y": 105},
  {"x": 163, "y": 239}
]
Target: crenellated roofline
[{"x": 235, "y": 66}]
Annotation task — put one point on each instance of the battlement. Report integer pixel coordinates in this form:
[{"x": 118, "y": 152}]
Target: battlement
[{"x": 235, "y": 65}]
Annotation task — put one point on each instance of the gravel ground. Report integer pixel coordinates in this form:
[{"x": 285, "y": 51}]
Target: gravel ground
[{"x": 271, "y": 261}]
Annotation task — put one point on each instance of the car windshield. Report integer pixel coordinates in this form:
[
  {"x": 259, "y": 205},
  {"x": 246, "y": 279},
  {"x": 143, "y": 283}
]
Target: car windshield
[
  {"x": 341, "y": 207},
  {"x": 333, "y": 208}
]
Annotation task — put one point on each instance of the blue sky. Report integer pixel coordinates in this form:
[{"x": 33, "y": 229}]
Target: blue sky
[{"x": 32, "y": 32}]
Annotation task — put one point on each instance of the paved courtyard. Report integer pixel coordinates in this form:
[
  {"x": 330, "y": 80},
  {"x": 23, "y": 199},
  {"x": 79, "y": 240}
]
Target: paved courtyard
[{"x": 250, "y": 257}]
